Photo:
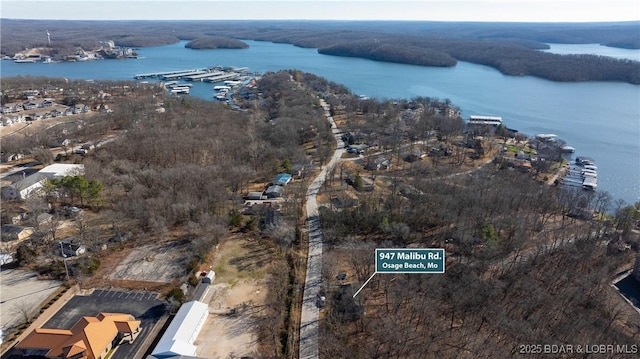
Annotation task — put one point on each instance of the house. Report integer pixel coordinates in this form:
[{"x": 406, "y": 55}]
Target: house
[
  {"x": 31, "y": 93},
  {"x": 357, "y": 149},
  {"x": 31, "y": 184},
  {"x": 12, "y": 232},
  {"x": 9, "y": 157},
  {"x": 55, "y": 113},
  {"x": 23, "y": 188},
  {"x": 282, "y": 179},
  {"x": 71, "y": 247},
  {"x": 46, "y": 103},
  {"x": 414, "y": 156},
  {"x": 345, "y": 200},
  {"x": 297, "y": 170},
  {"x": 29, "y": 105},
  {"x": 179, "y": 337},
  {"x": 380, "y": 163},
  {"x": 89, "y": 338},
  {"x": 274, "y": 191},
  {"x": 80, "y": 108},
  {"x": 60, "y": 143}
]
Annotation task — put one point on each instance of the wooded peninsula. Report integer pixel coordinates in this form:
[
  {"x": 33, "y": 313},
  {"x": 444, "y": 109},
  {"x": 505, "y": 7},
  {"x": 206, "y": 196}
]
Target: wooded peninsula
[{"x": 513, "y": 49}]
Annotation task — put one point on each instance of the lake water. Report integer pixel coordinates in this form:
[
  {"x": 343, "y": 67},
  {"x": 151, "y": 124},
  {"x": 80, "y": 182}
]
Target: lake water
[
  {"x": 594, "y": 49},
  {"x": 600, "y": 119}
]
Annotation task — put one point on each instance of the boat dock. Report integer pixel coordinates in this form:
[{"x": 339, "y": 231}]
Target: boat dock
[
  {"x": 582, "y": 174},
  {"x": 219, "y": 78},
  {"x": 181, "y": 75},
  {"x": 200, "y": 77},
  {"x": 160, "y": 74}
]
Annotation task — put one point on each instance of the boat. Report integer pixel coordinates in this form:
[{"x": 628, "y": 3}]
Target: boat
[
  {"x": 590, "y": 183},
  {"x": 180, "y": 90},
  {"x": 583, "y": 160},
  {"x": 233, "y": 83},
  {"x": 547, "y": 137},
  {"x": 221, "y": 88},
  {"x": 29, "y": 60},
  {"x": 567, "y": 149}
]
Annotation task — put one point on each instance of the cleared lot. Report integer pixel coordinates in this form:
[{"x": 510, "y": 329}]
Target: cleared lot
[
  {"x": 22, "y": 293},
  {"x": 144, "y": 306},
  {"x": 240, "y": 284},
  {"x": 154, "y": 263}
]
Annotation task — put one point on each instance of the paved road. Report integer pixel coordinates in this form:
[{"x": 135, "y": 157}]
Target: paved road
[{"x": 309, "y": 316}]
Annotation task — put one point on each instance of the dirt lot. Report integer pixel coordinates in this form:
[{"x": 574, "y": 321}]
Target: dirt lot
[
  {"x": 240, "y": 284},
  {"x": 22, "y": 293},
  {"x": 154, "y": 263}
]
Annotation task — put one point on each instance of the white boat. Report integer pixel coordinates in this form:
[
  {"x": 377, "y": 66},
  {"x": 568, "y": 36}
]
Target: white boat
[
  {"x": 233, "y": 83},
  {"x": 567, "y": 149},
  {"x": 179, "y": 90},
  {"x": 547, "y": 137},
  {"x": 583, "y": 161},
  {"x": 221, "y": 88},
  {"x": 590, "y": 183},
  {"x": 29, "y": 60}
]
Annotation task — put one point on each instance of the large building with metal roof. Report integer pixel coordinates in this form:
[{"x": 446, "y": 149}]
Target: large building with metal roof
[{"x": 178, "y": 339}]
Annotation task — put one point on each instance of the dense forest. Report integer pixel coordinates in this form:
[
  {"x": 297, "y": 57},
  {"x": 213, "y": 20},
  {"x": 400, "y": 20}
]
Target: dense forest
[
  {"x": 510, "y": 48},
  {"x": 216, "y": 42}
]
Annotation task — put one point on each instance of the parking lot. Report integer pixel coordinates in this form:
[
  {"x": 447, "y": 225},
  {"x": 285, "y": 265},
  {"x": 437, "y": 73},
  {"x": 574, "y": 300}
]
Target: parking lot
[{"x": 144, "y": 306}]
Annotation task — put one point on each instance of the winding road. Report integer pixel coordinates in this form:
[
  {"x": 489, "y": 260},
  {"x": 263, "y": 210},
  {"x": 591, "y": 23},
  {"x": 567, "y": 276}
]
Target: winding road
[{"x": 313, "y": 281}]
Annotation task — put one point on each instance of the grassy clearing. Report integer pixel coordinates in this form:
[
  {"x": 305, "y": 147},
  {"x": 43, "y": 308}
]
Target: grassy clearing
[{"x": 241, "y": 259}]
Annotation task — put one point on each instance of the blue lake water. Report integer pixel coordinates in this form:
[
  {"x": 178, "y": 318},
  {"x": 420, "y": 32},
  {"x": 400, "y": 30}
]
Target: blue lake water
[
  {"x": 595, "y": 49},
  {"x": 600, "y": 119}
]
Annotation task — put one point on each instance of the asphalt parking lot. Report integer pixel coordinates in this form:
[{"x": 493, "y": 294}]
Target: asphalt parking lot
[{"x": 144, "y": 306}]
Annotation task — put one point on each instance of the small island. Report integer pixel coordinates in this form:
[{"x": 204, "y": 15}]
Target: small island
[{"x": 216, "y": 42}]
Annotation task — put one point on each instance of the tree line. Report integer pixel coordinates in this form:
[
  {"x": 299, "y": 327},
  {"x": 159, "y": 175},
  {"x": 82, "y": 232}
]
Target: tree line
[{"x": 216, "y": 42}]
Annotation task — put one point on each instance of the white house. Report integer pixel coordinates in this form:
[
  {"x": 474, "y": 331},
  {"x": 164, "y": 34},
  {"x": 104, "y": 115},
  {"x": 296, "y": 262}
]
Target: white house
[{"x": 30, "y": 185}]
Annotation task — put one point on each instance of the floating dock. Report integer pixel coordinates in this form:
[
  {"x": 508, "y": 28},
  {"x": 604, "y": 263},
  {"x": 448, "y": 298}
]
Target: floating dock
[
  {"x": 200, "y": 77},
  {"x": 220, "y": 78},
  {"x": 160, "y": 74},
  {"x": 181, "y": 75}
]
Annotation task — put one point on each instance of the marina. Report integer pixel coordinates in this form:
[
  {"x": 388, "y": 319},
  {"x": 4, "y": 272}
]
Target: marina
[
  {"x": 583, "y": 173},
  {"x": 226, "y": 79}
]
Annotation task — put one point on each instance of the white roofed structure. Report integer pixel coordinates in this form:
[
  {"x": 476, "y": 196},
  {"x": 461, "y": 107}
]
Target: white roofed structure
[
  {"x": 485, "y": 120},
  {"x": 182, "y": 332},
  {"x": 62, "y": 169},
  {"x": 29, "y": 185}
]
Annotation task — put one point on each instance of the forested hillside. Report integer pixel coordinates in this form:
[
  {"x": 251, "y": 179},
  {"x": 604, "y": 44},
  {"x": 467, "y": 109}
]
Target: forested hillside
[{"x": 521, "y": 270}]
